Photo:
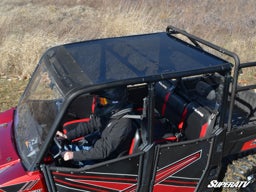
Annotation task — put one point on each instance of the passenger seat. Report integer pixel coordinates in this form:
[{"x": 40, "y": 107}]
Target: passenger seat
[{"x": 191, "y": 119}]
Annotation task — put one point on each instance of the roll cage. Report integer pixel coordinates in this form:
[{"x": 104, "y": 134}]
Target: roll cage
[
  {"x": 191, "y": 116},
  {"x": 77, "y": 85}
]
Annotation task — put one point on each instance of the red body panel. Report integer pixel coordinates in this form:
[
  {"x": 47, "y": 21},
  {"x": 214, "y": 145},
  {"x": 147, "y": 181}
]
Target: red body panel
[
  {"x": 249, "y": 145},
  {"x": 13, "y": 176},
  {"x": 8, "y": 155}
]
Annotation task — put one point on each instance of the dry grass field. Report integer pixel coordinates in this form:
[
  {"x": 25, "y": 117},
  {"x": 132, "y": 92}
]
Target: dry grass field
[{"x": 29, "y": 27}]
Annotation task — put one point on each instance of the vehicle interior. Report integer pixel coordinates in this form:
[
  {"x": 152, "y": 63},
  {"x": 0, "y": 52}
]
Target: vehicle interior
[{"x": 185, "y": 109}]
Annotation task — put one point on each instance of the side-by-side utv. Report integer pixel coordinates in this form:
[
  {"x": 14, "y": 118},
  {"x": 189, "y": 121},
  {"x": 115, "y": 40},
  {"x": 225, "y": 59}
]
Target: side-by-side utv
[{"x": 196, "y": 125}]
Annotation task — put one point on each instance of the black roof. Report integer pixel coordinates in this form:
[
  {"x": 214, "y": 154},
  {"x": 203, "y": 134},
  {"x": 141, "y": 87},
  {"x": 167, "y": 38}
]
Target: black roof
[{"x": 131, "y": 58}]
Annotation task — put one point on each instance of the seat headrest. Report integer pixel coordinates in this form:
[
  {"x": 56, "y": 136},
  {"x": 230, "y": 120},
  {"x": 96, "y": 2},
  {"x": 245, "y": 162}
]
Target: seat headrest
[{"x": 205, "y": 90}]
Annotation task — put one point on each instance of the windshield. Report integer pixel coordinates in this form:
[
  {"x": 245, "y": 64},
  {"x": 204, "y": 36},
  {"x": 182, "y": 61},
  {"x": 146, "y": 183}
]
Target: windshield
[{"x": 35, "y": 113}]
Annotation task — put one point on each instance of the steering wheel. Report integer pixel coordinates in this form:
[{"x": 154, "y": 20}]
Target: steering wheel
[{"x": 60, "y": 148}]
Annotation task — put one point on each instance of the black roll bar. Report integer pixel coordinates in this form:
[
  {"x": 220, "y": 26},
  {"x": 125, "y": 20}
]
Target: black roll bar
[
  {"x": 196, "y": 40},
  {"x": 246, "y": 87}
]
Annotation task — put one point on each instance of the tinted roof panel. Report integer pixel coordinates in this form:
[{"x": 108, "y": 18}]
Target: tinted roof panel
[{"x": 139, "y": 56}]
